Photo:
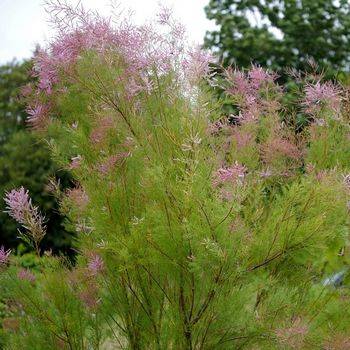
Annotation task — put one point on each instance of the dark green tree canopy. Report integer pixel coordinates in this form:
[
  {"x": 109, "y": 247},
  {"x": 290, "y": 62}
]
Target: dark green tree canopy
[
  {"x": 13, "y": 76},
  {"x": 281, "y": 33}
]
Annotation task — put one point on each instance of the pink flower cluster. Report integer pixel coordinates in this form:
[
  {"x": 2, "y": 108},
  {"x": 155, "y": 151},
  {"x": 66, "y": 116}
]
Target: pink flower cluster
[
  {"x": 280, "y": 147},
  {"x": 4, "y": 255},
  {"x": 140, "y": 50},
  {"x": 196, "y": 66},
  {"x": 259, "y": 76},
  {"x": 19, "y": 206},
  {"x": 243, "y": 139},
  {"x": 38, "y": 115},
  {"x": 321, "y": 95},
  {"x": 95, "y": 264},
  {"x": 92, "y": 33},
  {"x": 231, "y": 174},
  {"x": 246, "y": 89}
]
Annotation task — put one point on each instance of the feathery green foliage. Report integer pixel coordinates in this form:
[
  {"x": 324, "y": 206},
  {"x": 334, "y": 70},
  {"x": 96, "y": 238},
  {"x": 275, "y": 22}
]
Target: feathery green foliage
[{"x": 193, "y": 233}]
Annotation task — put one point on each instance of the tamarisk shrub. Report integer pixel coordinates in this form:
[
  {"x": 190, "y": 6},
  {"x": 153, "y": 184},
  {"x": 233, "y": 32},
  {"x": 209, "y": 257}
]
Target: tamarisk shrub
[{"x": 193, "y": 233}]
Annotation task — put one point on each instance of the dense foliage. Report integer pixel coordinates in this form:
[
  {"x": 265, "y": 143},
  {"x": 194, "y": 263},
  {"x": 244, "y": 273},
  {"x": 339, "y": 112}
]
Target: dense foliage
[
  {"x": 281, "y": 34},
  {"x": 194, "y": 232},
  {"x": 13, "y": 76},
  {"x": 25, "y": 160}
]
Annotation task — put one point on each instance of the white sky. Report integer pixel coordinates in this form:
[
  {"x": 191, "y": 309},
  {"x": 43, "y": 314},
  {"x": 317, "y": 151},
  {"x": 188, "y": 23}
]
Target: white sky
[{"x": 23, "y": 23}]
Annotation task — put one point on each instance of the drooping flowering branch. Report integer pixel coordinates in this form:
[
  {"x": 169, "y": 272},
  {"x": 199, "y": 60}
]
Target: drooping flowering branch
[{"x": 20, "y": 207}]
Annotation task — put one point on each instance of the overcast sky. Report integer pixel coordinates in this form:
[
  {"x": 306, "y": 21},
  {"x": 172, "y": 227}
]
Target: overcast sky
[{"x": 23, "y": 23}]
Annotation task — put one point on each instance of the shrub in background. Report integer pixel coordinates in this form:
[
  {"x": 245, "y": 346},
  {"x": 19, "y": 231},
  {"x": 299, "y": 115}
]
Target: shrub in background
[{"x": 193, "y": 233}]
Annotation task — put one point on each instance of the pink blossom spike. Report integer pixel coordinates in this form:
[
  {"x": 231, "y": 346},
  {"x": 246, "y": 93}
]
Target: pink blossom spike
[
  {"x": 38, "y": 115},
  {"x": 4, "y": 255},
  {"x": 280, "y": 147},
  {"x": 18, "y": 204},
  {"x": 239, "y": 84},
  {"x": 197, "y": 64},
  {"x": 232, "y": 174},
  {"x": 243, "y": 139},
  {"x": 258, "y": 76},
  {"x": 95, "y": 264},
  {"x": 321, "y": 95}
]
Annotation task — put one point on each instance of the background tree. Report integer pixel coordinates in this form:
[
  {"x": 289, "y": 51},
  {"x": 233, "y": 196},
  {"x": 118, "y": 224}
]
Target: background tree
[
  {"x": 25, "y": 161},
  {"x": 283, "y": 33},
  {"x": 13, "y": 76}
]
